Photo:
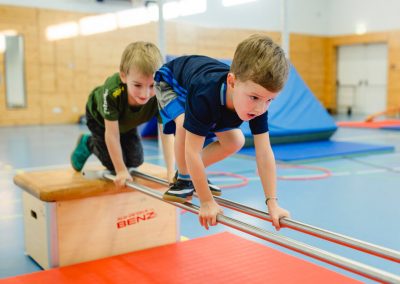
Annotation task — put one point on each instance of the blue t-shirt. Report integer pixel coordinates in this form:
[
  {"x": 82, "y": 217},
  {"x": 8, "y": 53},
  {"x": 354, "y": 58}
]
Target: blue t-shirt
[{"x": 202, "y": 80}]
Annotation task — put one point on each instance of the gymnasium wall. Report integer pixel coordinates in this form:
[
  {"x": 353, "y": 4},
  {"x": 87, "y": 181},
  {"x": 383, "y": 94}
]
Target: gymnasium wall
[{"x": 60, "y": 74}]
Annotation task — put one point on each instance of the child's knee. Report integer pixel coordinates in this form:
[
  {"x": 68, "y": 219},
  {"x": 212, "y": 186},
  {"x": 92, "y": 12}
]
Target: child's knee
[
  {"x": 135, "y": 163},
  {"x": 234, "y": 145},
  {"x": 134, "y": 157}
]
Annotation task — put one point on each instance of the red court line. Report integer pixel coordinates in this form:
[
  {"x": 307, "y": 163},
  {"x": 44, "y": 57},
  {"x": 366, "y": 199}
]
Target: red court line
[
  {"x": 243, "y": 180},
  {"x": 220, "y": 258},
  {"x": 324, "y": 173},
  {"x": 373, "y": 124}
]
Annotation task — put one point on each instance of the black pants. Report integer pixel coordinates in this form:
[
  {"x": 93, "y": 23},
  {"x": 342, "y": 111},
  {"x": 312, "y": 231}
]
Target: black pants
[{"x": 131, "y": 144}]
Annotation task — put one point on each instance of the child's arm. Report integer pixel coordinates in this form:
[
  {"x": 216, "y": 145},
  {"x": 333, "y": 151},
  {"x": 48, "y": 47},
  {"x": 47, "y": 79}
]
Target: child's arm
[
  {"x": 372, "y": 117},
  {"x": 389, "y": 111},
  {"x": 267, "y": 171},
  {"x": 113, "y": 143},
  {"x": 167, "y": 141},
  {"x": 208, "y": 207}
]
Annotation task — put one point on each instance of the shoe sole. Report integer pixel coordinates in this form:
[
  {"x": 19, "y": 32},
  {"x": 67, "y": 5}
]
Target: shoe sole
[
  {"x": 183, "y": 200},
  {"x": 70, "y": 157},
  {"x": 214, "y": 193},
  {"x": 174, "y": 198}
]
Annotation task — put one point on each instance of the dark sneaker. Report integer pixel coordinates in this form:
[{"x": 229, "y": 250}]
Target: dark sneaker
[
  {"x": 175, "y": 177},
  {"x": 81, "y": 153},
  {"x": 179, "y": 191},
  {"x": 215, "y": 190}
]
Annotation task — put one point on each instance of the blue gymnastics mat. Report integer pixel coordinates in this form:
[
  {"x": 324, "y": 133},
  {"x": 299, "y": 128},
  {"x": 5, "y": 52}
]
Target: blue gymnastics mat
[
  {"x": 393, "y": 127},
  {"x": 320, "y": 149}
]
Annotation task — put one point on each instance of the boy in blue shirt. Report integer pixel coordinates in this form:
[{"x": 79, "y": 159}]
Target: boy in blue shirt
[{"x": 198, "y": 95}]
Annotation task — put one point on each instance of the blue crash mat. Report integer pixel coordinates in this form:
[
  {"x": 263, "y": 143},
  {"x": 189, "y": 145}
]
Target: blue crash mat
[
  {"x": 394, "y": 127},
  {"x": 320, "y": 149}
]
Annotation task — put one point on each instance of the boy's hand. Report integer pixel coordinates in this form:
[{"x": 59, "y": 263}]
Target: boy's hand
[
  {"x": 121, "y": 178},
  {"x": 276, "y": 213},
  {"x": 208, "y": 213}
]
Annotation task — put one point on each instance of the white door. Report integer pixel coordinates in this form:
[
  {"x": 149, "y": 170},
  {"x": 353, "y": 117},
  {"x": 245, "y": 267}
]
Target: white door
[{"x": 362, "y": 78}]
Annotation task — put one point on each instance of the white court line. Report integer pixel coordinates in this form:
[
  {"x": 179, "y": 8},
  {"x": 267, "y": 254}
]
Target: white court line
[
  {"x": 369, "y": 137},
  {"x": 153, "y": 157},
  {"x": 395, "y": 154},
  {"x": 335, "y": 174},
  {"x": 346, "y": 173},
  {"x": 367, "y": 172},
  {"x": 62, "y": 166},
  {"x": 219, "y": 179},
  {"x": 10, "y": 217},
  {"x": 341, "y": 174},
  {"x": 4, "y": 182},
  {"x": 59, "y": 166},
  {"x": 10, "y": 201},
  {"x": 150, "y": 147}
]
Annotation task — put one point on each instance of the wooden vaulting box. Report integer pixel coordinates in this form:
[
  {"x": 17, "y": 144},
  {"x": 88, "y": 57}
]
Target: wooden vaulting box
[{"x": 69, "y": 219}]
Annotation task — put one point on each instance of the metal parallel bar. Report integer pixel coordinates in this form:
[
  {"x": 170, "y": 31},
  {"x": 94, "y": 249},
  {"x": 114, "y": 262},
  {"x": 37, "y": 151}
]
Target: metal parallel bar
[
  {"x": 342, "y": 262},
  {"x": 363, "y": 246}
]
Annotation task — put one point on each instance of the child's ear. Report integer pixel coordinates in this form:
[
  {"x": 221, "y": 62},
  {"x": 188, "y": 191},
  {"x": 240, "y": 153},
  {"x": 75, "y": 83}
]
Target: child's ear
[
  {"x": 122, "y": 75},
  {"x": 230, "y": 80}
]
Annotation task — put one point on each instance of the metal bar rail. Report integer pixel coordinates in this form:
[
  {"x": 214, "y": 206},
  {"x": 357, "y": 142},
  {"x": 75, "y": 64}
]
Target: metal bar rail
[
  {"x": 363, "y": 246},
  {"x": 344, "y": 263}
]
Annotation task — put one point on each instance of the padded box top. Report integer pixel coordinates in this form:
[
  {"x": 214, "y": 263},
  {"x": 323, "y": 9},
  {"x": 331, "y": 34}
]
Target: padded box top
[{"x": 66, "y": 184}]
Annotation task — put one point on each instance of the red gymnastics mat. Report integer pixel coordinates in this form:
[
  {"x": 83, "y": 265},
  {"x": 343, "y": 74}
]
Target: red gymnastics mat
[
  {"x": 220, "y": 258},
  {"x": 373, "y": 124}
]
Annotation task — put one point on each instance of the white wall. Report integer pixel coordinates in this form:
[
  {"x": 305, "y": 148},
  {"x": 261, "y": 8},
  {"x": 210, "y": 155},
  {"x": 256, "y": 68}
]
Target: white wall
[
  {"x": 319, "y": 17},
  {"x": 262, "y": 15},
  {"x": 375, "y": 15},
  {"x": 304, "y": 16},
  {"x": 309, "y": 16}
]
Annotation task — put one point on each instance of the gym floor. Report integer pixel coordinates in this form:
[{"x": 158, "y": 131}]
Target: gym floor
[{"x": 359, "y": 198}]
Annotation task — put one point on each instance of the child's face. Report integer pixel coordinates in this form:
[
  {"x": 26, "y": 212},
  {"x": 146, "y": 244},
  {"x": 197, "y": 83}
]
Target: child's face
[
  {"x": 248, "y": 98},
  {"x": 140, "y": 87}
]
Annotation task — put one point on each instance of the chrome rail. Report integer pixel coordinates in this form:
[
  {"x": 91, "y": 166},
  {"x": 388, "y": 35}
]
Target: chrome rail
[
  {"x": 336, "y": 260},
  {"x": 363, "y": 246}
]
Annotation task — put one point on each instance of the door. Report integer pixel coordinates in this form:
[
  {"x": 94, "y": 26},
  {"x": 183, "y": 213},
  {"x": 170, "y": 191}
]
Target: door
[{"x": 362, "y": 78}]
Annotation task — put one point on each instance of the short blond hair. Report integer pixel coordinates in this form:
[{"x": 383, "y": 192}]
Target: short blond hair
[
  {"x": 262, "y": 61},
  {"x": 144, "y": 56}
]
